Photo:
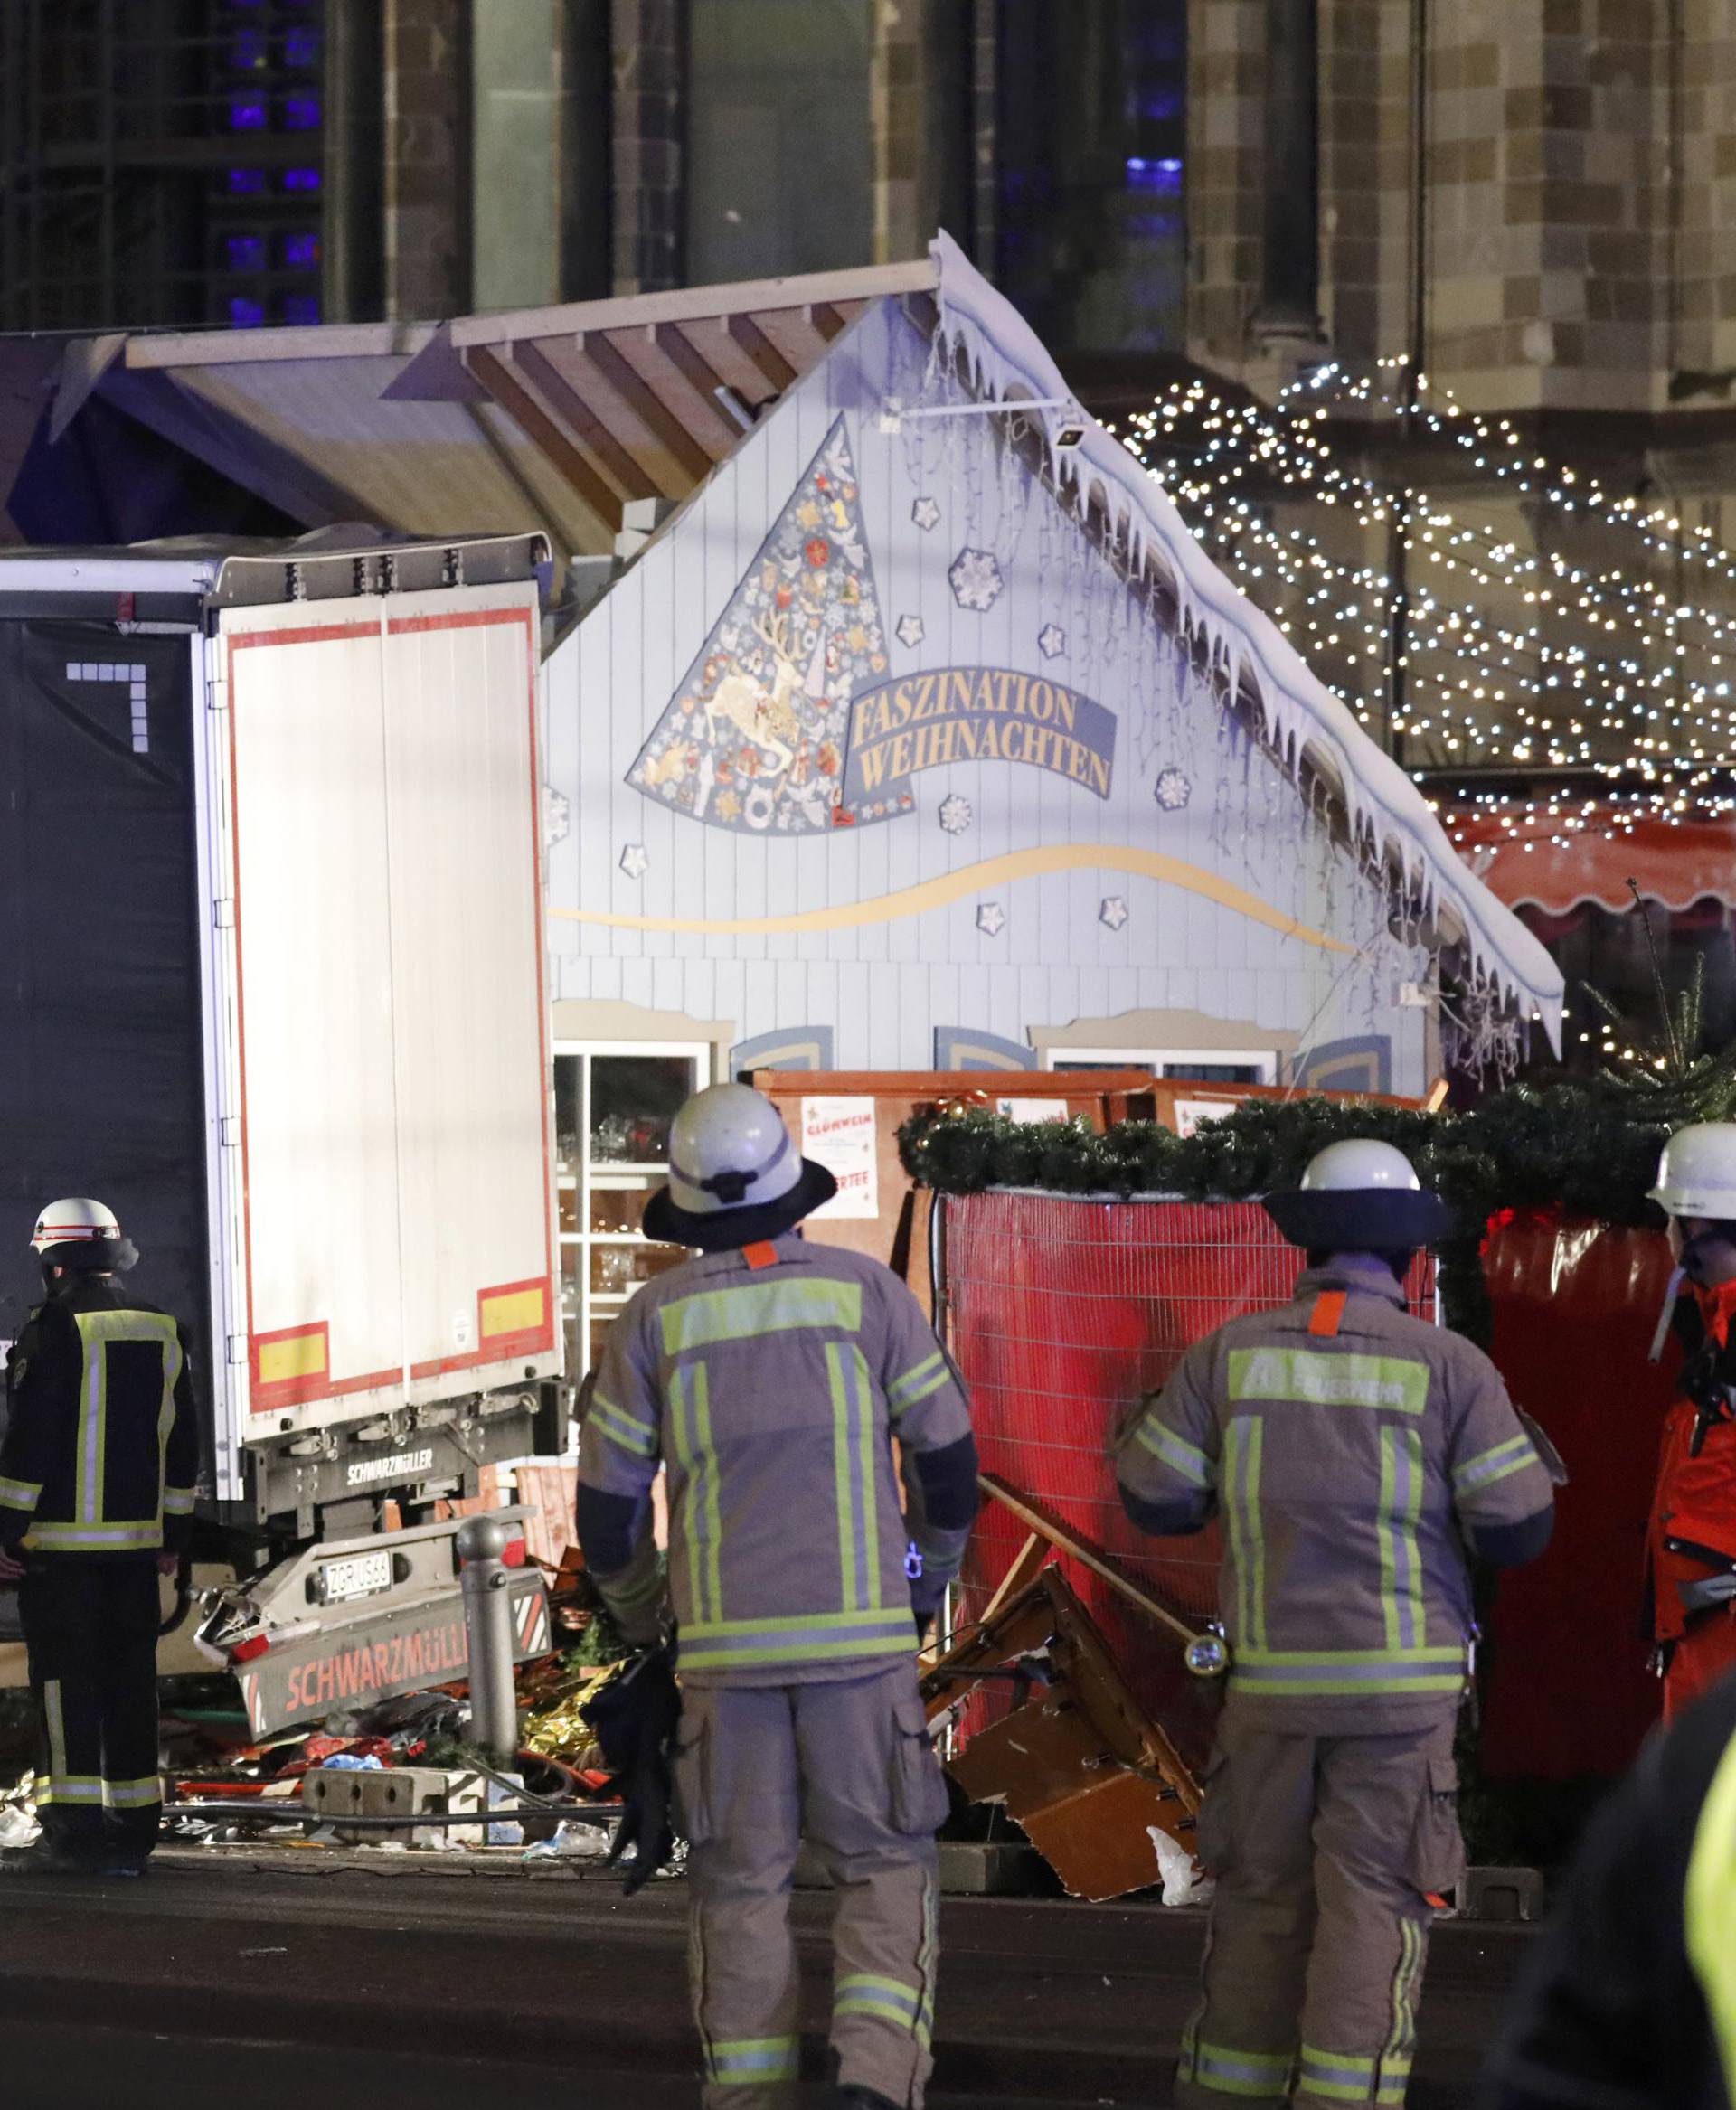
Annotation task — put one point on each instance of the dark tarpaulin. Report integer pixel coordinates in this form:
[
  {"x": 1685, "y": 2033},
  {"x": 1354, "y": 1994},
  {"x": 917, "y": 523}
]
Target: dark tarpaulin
[{"x": 102, "y": 1073}]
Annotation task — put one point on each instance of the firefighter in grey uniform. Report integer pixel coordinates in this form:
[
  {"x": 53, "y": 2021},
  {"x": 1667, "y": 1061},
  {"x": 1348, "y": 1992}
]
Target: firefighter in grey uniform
[
  {"x": 769, "y": 1378},
  {"x": 96, "y": 1472},
  {"x": 1351, "y": 1449}
]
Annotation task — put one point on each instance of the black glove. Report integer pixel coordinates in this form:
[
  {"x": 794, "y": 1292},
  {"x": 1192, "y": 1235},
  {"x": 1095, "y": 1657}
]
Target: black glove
[{"x": 635, "y": 1717}]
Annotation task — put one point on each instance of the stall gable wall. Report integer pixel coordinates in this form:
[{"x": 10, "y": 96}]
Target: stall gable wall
[{"x": 1063, "y": 951}]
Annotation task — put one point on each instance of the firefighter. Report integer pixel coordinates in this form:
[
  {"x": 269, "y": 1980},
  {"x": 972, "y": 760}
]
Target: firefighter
[
  {"x": 1692, "y": 1543},
  {"x": 1628, "y": 2001},
  {"x": 769, "y": 1377},
  {"x": 1347, "y": 1446},
  {"x": 97, "y": 1474}
]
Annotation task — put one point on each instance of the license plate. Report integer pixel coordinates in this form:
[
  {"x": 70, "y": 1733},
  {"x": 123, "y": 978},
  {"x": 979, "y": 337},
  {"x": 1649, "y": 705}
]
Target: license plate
[{"x": 360, "y": 1576}]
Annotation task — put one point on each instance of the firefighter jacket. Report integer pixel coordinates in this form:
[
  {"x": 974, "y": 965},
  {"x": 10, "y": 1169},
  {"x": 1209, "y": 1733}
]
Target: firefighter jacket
[
  {"x": 101, "y": 1449},
  {"x": 770, "y": 1382},
  {"x": 1347, "y": 1444},
  {"x": 1694, "y": 1504},
  {"x": 1629, "y": 2000}
]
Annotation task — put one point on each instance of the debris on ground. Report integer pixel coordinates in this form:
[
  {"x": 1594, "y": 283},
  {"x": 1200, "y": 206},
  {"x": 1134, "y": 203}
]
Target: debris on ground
[{"x": 1092, "y": 1781}]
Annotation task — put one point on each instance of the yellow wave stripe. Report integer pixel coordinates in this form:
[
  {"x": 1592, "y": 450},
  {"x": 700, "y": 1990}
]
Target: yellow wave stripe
[{"x": 937, "y": 893}]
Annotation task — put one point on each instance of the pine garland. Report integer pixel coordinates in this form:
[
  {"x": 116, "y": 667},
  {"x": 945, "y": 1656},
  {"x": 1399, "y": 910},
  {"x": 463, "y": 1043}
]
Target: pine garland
[{"x": 1589, "y": 1148}]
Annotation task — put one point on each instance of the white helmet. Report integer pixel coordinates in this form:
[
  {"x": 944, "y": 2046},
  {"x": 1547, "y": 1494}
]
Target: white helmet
[
  {"x": 1360, "y": 1196},
  {"x": 1357, "y": 1166},
  {"x": 78, "y": 1231},
  {"x": 730, "y": 1152},
  {"x": 75, "y": 1221},
  {"x": 1696, "y": 1175}
]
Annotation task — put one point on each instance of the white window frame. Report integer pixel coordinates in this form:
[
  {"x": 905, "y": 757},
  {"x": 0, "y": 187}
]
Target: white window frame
[
  {"x": 1265, "y": 1060},
  {"x": 585, "y": 1180}
]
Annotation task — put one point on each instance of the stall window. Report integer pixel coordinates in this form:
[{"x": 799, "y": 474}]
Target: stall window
[
  {"x": 613, "y": 1104},
  {"x": 1185, "y": 1065}
]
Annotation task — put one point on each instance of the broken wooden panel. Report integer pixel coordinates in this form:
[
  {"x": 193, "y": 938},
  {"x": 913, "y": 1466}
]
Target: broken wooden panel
[{"x": 1078, "y": 1764}]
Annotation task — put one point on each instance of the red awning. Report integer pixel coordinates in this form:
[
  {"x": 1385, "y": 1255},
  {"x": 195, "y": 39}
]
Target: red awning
[{"x": 1531, "y": 857}]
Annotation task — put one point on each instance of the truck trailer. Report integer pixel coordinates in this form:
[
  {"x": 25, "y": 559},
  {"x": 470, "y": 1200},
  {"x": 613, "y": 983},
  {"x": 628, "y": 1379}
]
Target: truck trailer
[{"x": 274, "y": 989}]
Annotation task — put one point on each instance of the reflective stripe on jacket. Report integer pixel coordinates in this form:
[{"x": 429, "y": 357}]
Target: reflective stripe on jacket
[
  {"x": 1345, "y": 1444},
  {"x": 770, "y": 1384},
  {"x": 101, "y": 1449}
]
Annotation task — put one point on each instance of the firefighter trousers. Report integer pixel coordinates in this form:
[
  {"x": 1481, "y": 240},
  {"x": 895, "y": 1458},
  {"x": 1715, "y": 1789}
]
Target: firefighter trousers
[
  {"x": 91, "y": 1636},
  {"x": 1326, "y": 1848},
  {"x": 848, "y": 1766}
]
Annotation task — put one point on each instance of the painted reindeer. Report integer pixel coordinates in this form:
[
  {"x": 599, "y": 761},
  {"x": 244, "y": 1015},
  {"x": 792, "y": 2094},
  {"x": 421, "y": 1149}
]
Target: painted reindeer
[{"x": 765, "y": 716}]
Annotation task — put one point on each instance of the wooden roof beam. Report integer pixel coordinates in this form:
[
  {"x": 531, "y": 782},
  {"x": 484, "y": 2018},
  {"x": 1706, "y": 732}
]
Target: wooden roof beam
[
  {"x": 510, "y": 395},
  {"x": 647, "y": 407},
  {"x": 775, "y": 370},
  {"x": 624, "y": 469},
  {"x": 706, "y": 382}
]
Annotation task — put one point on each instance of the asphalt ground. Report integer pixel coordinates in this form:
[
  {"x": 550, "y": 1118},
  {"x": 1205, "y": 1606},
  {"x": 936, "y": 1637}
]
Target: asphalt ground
[{"x": 312, "y": 1978}]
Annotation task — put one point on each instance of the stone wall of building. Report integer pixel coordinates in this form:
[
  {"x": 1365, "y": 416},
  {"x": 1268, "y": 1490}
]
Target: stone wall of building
[
  {"x": 1579, "y": 159},
  {"x": 424, "y": 198}
]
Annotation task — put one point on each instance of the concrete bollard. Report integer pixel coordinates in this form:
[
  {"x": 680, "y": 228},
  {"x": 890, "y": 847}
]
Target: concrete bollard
[{"x": 488, "y": 1625}]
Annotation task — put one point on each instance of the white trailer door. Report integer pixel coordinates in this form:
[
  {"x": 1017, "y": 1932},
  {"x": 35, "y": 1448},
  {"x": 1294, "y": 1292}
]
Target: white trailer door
[{"x": 391, "y": 1221}]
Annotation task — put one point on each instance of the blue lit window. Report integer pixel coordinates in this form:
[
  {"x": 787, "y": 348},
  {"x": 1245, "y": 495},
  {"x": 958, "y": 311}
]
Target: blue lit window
[
  {"x": 301, "y": 49},
  {"x": 1164, "y": 176},
  {"x": 246, "y": 50},
  {"x": 246, "y": 183},
  {"x": 301, "y": 113},
  {"x": 246, "y": 315},
  {"x": 246, "y": 113},
  {"x": 301, "y": 310},
  {"x": 245, "y": 252},
  {"x": 301, "y": 179},
  {"x": 301, "y": 250}
]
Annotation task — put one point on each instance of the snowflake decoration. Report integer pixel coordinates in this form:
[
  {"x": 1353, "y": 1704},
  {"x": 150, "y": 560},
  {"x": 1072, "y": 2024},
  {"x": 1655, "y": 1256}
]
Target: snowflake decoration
[
  {"x": 1052, "y": 640},
  {"x": 908, "y": 630},
  {"x": 635, "y": 860},
  {"x": 1174, "y": 790},
  {"x": 557, "y": 816},
  {"x": 1113, "y": 911},
  {"x": 977, "y": 580},
  {"x": 991, "y": 920},
  {"x": 926, "y": 513},
  {"x": 954, "y": 814}
]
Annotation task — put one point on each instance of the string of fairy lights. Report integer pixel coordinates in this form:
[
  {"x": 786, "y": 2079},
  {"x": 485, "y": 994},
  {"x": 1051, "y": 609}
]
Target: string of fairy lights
[{"x": 1596, "y": 652}]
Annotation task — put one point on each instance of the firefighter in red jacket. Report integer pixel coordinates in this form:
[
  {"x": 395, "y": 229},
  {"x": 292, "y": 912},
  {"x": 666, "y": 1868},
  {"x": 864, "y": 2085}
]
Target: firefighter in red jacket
[{"x": 1693, "y": 1539}]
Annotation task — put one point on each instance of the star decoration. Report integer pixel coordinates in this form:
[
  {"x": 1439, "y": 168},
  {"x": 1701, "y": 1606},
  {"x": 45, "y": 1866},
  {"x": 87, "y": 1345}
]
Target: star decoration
[
  {"x": 635, "y": 860},
  {"x": 991, "y": 920},
  {"x": 1113, "y": 911},
  {"x": 1172, "y": 791},
  {"x": 1052, "y": 640},
  {"x": 908, "y": 630},
  {"x": 975, "y": 578},
  {"x": 954, "y": 814},
  {"x": 926, "y": 513}
]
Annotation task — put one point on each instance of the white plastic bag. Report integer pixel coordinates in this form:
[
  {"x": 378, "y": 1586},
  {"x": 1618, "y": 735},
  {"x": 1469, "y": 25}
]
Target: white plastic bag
[{"x": 1178, "y": 1871}]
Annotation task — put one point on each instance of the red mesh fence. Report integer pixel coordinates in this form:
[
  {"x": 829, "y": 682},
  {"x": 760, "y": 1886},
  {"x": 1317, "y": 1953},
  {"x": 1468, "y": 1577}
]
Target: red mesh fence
[{"x": 1064, "y": 1314}]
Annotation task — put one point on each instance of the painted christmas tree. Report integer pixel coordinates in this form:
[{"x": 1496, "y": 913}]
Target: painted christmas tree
[{"x": 755, "y": 736}]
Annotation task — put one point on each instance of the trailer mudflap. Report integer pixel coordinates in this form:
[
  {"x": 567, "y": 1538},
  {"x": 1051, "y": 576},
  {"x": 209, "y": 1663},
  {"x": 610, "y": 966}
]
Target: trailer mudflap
[{"x": 396, "y": 1649}]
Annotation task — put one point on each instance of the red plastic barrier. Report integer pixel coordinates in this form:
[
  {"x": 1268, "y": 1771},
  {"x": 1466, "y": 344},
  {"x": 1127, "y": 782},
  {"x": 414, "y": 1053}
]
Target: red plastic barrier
[
  {"x": 1575, "y": 1302},
  {"x": 1065, "y": 1314}
]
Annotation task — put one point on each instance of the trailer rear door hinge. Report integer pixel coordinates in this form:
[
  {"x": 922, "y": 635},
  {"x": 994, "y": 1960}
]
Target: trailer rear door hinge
[
  {"x": 229, "y": 1131},
  {"x": 216, "y": 695},
  {"x": 238, "y": 1348},
  {"x": 223, "y": 913}
]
